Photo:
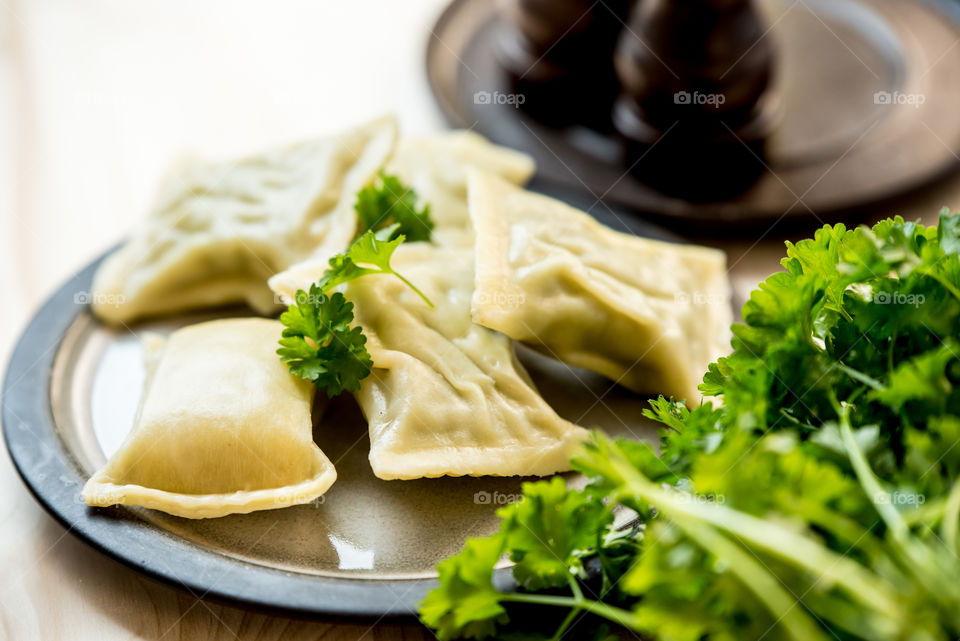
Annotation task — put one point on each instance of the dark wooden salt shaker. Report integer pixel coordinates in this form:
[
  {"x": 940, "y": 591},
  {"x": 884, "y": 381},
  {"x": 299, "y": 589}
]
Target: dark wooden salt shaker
[
  {"x": 695, "y": 106},
  {"x": 558, "y": 54}
]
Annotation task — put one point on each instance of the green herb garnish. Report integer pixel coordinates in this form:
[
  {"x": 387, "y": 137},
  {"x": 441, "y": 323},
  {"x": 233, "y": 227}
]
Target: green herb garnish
[
  {"x": 819, "y": 501},
  {"x": 318, "y": 343},
  {"x": 389, "y": 202},
  {"x": 369, "y": 254}
]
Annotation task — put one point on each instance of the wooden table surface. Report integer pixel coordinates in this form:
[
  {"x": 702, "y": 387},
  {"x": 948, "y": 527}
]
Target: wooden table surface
[{"x": 96, "y": 99}]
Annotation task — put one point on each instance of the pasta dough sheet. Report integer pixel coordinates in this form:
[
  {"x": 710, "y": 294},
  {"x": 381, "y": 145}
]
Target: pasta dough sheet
[{"x": 223, "y": 428}]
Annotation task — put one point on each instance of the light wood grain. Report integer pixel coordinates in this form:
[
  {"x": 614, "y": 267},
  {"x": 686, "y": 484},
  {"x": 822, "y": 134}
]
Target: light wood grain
[{"x": 98, "y": 97}]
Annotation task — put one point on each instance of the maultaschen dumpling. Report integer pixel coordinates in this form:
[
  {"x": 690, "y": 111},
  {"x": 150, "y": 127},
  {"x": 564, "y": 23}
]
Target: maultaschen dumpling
[
  {"x": 218, "y": 231},
  {"x": 649, "y": 315},
  {"x": 447, "y": 396},
  {"x": 223, "y": 428}
]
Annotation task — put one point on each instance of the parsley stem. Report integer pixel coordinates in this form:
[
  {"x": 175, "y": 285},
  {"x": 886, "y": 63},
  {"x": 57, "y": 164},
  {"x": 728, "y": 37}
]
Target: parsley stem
[
  {"x": 860, "y": 376},
  {"x": 762, "y": 534},
  {"x": 566, "y": 624},
  {"x": 575, "y": 587},
  {"x": 926, "y": 567},
  {"x": 414, "y": 288},
  {"x": 781, "y": 604},
  {"x": 948, "y": 528},
  {"x": 609, "y": 612},
  {"x": 848, "y": 530},
  {"x": 947, "y": 285},
  {"x": 930, "y": 513},
  {"x": 880, "y": 497}
]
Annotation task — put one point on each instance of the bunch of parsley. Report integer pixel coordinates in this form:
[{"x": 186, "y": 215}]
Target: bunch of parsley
[
  {"x": 818, "y": 500},
  {"x": 318, "y": 343}
]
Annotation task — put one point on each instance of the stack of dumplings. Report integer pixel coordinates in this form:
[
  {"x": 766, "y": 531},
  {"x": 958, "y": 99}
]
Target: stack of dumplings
[{"x": 447, "y": 395}]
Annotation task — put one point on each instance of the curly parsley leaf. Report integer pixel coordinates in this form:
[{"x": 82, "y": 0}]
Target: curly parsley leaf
[
  {"x": 389, "y": 202},
  {"x": 550, "y": 532},
  {"x": 549, "y": 535},
  {"x": 319, "y": 345},
  {"x": 467, "y": 605},
  {"x": 922, "y": 379}
]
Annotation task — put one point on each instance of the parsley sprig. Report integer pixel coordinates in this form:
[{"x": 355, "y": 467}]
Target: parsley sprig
[
  {"x": 369, "y": 254},
  {"x": 819, "y": 501},
  {"x": 318, "y": 343}
]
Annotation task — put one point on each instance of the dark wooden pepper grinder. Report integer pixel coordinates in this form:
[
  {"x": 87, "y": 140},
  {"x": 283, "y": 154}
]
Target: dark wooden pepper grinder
[
  {"x": 558, "y": 55},
  {"x": 695, "y": 106}
]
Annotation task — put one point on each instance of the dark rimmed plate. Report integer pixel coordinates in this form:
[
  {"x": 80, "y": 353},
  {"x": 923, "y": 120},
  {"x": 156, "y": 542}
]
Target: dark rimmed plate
[{"x": 368, "y": 548}]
